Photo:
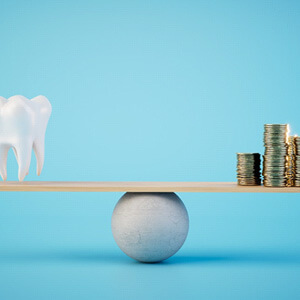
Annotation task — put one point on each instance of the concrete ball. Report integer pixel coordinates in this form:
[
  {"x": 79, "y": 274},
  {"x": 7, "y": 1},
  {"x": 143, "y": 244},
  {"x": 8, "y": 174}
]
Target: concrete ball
[{"x": 150, "y": 227}]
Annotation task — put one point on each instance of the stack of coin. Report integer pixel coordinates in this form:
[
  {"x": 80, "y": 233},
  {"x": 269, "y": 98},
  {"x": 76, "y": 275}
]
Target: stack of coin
[
  {"x": 248, "y": 169},
  {"x": 291, "y": 162},
  {"x": 297, "y": 173},
  {"x": 275, "y": 141}
]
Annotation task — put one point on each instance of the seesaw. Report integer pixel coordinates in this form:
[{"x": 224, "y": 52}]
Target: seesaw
[
  {"x": 138, "y": 186},
  {"x": 150, "y": 222}
]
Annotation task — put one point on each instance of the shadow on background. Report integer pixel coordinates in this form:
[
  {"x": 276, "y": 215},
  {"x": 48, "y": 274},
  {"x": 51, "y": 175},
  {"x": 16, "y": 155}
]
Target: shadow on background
[
  {"x": 64, "y": 255},
  {"x": 238, "y": 257},
  {"x": 96, "y": 256}
]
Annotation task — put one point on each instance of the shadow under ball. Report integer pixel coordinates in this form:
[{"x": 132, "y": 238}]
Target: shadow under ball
[{"x": 150, "y": 227}]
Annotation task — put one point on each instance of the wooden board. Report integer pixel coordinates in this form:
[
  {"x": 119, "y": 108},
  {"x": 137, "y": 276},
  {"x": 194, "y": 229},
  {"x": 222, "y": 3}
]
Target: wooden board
[{"x": 113, "y": 186}]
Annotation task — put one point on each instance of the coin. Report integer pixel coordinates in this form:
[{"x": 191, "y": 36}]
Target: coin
[
  {"x": 297, "y": 143},
  {"x": 297, "y": 163},
  {"x": 291, "y": 162},
  {"x": 248, "y": 169},
  {"x": 275, "y": 156}
]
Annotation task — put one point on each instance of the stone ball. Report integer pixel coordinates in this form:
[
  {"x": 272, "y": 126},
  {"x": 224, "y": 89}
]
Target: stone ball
[{"x": 150, "y": 227}]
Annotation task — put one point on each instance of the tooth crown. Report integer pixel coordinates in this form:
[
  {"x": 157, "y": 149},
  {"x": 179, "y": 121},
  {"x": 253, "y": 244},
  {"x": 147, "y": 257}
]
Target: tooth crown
[{"x": 23, "y": 124}]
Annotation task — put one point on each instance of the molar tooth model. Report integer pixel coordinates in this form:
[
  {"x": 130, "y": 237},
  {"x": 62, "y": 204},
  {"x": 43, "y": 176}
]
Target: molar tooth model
[{"x": 23, "y": 124}]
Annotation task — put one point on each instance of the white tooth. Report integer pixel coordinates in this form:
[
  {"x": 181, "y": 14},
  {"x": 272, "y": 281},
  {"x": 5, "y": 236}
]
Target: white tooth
[{"x": 23, "y": 124}]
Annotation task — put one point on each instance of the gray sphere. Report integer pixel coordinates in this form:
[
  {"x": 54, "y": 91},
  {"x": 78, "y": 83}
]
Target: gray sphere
[{"x": 150, "y": 227}]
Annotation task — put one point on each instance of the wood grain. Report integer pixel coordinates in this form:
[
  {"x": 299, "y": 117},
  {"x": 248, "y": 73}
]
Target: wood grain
[{"x": 130, "y": 186}]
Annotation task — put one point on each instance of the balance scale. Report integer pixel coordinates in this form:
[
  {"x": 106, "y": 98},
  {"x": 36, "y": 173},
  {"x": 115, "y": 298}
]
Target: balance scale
[{"x": 150, "y": 222}]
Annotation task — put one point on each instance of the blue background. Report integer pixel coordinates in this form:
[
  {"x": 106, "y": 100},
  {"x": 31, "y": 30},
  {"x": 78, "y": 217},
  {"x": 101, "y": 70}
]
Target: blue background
[{"x": 151, "y": 90}]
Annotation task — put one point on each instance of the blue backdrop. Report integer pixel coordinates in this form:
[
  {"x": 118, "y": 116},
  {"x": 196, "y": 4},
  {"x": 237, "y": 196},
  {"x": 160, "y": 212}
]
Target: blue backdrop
[{"x": 142, "y": 91}]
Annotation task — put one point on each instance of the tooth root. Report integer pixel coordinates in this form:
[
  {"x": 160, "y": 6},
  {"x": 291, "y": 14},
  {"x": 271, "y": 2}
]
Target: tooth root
[
  {"x": 39, "y": 150},
  {"x": 16, "y": 155},
  {"x": 23, "y": 155},
  {"x": 3, "y": 161}
]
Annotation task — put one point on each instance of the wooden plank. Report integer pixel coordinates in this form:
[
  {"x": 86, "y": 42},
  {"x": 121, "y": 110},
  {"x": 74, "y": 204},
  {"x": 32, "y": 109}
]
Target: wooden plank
[{"x": 114, "y": 186}]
